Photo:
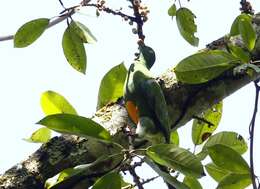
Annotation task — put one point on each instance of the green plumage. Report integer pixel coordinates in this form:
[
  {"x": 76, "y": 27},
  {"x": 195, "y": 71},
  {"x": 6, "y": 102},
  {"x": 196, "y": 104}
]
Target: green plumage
[{"x": 146, "y": 94}]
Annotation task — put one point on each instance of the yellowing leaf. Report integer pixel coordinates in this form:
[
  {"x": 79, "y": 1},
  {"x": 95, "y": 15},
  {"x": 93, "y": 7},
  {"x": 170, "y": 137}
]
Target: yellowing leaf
[
  {"x": 41, "y": 135},
  {"x": 54, "y": 103},
  {"x": 112, "y": 85},
  {"x": 202, "y": 130},
  {"x": 30, "y": 32}
]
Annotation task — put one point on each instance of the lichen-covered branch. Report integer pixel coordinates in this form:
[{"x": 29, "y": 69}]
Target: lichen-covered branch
[
  {"x": 184, "y": 101},
  {"x": 68, "y": 151}
]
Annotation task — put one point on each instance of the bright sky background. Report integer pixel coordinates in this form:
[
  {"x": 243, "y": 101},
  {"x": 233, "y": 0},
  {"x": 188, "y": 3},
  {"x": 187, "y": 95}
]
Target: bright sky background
[{"x": 26, "y": 73}]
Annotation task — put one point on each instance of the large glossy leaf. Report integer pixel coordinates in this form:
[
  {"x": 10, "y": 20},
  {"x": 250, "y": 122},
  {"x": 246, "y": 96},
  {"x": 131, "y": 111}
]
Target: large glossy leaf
[
  {"x": 112, "y": 85},
  {"x": 166, "y": 176},
  {"x": 54, "y": 103},
  {"x": 202, "y": 130},
  {"x": 204, "y": 66},
  {"x": 248, "y": 33},
  {"x": 176, "y": 158},
  {"x": 187, "y": 26},
  {"x": 242, "y": 25},
  {"x": 192, "y": 183},
  {"x": 235, "y": 25},
  {"x": 216, "y": 172},
  {"x": 41, "y": 135},
  {"x": 83, "y": 32},
  {"x": 235, "y": 181},
  {"x": 30, "y": 32},
  {"x": 230, "y": 139},
  {"x": 76, "y": 125},
  {"x": 111, "y": 180},
  {"x": 240, "y": 53},
  {"x": 228, "y": 159},
  {"x": 74, "y": 49}
]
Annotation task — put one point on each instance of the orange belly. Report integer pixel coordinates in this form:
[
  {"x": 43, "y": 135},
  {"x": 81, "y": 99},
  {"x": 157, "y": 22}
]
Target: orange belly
[{"x": 132, "y": 111}]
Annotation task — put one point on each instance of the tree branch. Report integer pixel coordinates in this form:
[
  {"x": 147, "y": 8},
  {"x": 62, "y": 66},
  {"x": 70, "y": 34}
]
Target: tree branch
[
  {"x": 184, "y": 102},
  {"x": 51, "y": 24}
]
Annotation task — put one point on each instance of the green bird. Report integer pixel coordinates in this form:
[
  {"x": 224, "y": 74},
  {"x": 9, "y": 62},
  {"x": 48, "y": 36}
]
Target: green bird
[{"x": 144, "y": 99}]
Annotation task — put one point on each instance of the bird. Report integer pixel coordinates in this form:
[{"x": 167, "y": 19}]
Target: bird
[{"x": 144, "y": 99}]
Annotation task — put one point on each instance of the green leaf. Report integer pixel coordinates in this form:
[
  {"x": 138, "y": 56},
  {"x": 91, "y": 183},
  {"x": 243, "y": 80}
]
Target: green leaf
[
  {"x": 202, "y": 130},
  {"x": 172, "y": 10},
  {"x": 231, "y": 139},
  {"x": 174, "y": 138},
  {"x": 112, "y": 85},
  {"x": 240, "y": 53},
  {"x": 76, "y": 125},
  {"x": 187, "y": 26},
  {"x": 30, "y": 32},
  {"x": 242, "y": 25},
  {"x": 216, "y": 172},
  {"x": 228, "y": 159},
  {"x": 235, "y": 181},
  {"x": 83, "y": 32},
  {"x": 41, "y": 135},
  {"x": 74, "y": 49},
  {"x": 248, "y": 33},
  {"x": 192, "y": 183},
  {"x": 179, "y": 159},
  {"x": 235, "y": 25},
  {"x": 106, "y": 162},
  {"x": 166, "y": 176},
  {"x": 54, "y": 103},
  {"x": 204, "y": 66},
  {"x": 111, "y": 180}
]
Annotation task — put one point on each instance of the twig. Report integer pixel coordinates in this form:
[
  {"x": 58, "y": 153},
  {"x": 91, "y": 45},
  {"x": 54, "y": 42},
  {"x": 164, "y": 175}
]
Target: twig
[
  {"x": 246, "y": 7},
  {"x": 136, "y": 178},
  {"x": 149, "y": 180},
  {"x": 138, "y": 164},
  {"x": 138, "y": 17},
  {"x": 179, "y": 3},
  {"x": 51, "y": 24},
  {"x": 61, "y": 3},
  {"x": 251, "y": 133},
  {"x": 110, "y": 11}
]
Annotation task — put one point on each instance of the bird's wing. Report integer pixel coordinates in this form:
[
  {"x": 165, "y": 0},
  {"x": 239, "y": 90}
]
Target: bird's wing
[{"x": 154, "y": 96}]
